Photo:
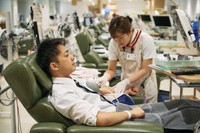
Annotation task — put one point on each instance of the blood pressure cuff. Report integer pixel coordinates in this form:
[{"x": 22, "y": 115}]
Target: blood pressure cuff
[
  {"x": 125, "y": 99},
  {"x": 195, "y": 27}
]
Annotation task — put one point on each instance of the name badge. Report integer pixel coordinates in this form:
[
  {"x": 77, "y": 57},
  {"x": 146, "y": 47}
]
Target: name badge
[{"x": 131, "y": 56}]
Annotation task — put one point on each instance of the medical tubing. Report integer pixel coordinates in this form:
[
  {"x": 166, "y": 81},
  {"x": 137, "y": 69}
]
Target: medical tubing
[{"x": 113, "y": 94}]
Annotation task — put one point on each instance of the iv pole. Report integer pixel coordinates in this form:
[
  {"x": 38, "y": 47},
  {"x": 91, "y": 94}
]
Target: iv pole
[{"x": 10, "y": 58}]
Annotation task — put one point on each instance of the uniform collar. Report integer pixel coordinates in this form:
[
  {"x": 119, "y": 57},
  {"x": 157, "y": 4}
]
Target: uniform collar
[{"x": 134, "y": 39}]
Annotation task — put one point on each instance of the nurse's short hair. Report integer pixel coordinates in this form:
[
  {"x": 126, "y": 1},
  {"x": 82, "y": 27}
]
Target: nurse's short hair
[{"x": 119, "y": 24}]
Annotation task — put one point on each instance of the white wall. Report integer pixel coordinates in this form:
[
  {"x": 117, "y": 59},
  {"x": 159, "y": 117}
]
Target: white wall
[
  {"x": 10, "y": 6},
  {"x": 130, "y": 7},
  {"x": 67, "y": 8},
  {"x": 24, "y": 8},
  {"x": 123, "y": 7},
  {"x": 5, "y": 5},
  {"x": 191, "y": 7}
]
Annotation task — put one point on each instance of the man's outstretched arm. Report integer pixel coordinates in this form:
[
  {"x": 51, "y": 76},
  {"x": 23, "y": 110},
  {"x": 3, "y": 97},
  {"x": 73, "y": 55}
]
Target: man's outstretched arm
[{"x": 111, "y": 118}]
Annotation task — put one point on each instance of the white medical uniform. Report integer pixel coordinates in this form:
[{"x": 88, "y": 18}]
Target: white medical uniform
[{"x": 130, "y": 58}]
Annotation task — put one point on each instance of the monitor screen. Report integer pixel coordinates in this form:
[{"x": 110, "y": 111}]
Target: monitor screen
[
  {"x": 183, "y": 24},
  {"x": 145, "y": 17},
  {"x": 162, "y": 21},
  {"x": 87, "y": 21}
]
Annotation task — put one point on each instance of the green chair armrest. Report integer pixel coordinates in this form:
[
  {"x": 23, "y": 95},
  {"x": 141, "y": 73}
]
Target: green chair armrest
[
  {"x": 48, "y": 127},
  {"x": 134, "y": 126},
  {"x": 102, "y": 41},
  {"x": 104, "y": 57},
  {"x": 88, "y": 65},
  {"x": 103, "y": 66},
  {"x": 123, "y": 127}
]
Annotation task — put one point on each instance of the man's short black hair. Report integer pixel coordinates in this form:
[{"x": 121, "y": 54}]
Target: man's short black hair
[{"x": 47, "y": 52}]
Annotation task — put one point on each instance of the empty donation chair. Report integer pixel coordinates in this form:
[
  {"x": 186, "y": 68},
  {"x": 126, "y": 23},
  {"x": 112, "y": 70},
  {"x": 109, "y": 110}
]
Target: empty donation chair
[
  {"x": 90, "y": 56},
  {"x": 32, "y": 87},
  {"x": 24, "y": 45},
  {"x": 98, "y": 29}
]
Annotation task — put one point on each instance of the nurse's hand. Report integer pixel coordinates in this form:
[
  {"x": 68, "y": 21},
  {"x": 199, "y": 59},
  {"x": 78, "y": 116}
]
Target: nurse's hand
[
  {"x": 102, "y": 81},
  {"x": 132, "y": 90},
  {"x": 121, "y": 86}
]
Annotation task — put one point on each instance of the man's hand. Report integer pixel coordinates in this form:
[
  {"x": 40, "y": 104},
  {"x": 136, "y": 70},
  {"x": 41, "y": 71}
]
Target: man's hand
[
  {"x": 121, "y": 86},
  {"x": 137, "y": 112}
]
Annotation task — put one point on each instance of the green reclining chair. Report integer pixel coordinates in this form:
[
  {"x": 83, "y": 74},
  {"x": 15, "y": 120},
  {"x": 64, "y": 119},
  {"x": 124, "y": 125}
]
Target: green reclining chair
[
  {"x": 102, "y": 41},
  {"x": 24, "y": 45},
  {"x": 85, "y": 42},
  {"x": 98, "y": 28},
  {"x": 99, "y": 31},
  {"x": 32, "y": 86}
]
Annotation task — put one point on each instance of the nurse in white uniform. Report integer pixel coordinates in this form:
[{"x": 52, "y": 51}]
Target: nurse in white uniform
[{"x": 134, "y": 50}]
